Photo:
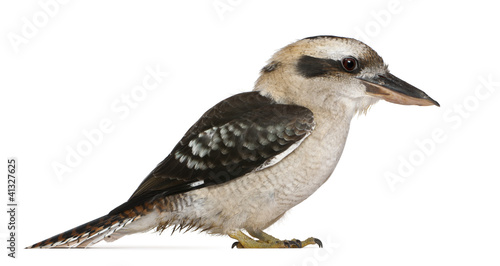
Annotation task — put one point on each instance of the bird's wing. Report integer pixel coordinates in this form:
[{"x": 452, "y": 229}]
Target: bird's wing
[{"x": 244, "y": 133}]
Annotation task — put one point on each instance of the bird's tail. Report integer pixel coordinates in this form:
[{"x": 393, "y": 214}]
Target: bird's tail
[{"x": 90, "y": 233}]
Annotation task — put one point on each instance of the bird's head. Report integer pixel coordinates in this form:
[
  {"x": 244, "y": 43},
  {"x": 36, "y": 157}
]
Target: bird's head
[{"x": 326, "y": 71}]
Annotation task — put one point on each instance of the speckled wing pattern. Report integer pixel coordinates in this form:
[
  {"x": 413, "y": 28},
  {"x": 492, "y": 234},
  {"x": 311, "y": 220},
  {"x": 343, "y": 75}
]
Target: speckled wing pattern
[{"x": 244, "y": 133}]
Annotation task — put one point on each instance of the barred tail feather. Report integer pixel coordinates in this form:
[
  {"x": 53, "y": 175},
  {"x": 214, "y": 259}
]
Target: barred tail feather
[{"x": 89, "y": 233}]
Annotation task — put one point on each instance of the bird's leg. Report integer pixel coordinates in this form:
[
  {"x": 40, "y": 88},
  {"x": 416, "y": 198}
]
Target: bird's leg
[
  {"x": 268, "y": 241},
  {"x": 245, "y": 241}
]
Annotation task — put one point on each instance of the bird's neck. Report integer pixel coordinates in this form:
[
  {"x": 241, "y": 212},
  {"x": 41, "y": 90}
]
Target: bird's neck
[
  {"x": 328, "y": 110},
  {"x": 332, "y": 123}
]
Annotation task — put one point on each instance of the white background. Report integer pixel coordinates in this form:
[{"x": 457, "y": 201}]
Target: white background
[{"x": 63, "y": 80}]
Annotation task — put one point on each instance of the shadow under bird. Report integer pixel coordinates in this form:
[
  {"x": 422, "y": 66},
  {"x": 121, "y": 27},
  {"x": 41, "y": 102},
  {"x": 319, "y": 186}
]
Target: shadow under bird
[{"x": 255, "y": 155}]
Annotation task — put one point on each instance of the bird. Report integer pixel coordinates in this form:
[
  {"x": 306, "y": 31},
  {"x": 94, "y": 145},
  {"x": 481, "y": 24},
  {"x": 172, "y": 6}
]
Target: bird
[{"x": 255, "y": 155}]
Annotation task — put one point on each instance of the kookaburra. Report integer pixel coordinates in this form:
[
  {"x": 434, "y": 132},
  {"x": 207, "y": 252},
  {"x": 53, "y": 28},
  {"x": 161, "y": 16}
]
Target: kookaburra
[{"x": 255, "y": 155}]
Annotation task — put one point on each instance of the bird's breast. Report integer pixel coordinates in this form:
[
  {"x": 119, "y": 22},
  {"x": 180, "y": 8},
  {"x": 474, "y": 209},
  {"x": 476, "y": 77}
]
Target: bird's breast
[{"x": 301, "y": 173}]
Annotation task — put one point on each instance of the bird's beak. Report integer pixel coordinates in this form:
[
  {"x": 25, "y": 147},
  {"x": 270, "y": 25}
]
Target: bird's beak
[{"x": 395, "y": 90}]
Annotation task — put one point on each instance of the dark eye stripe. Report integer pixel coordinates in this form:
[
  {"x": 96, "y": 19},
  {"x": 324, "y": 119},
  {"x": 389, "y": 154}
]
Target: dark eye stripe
[{"x": 311, "y": 67}]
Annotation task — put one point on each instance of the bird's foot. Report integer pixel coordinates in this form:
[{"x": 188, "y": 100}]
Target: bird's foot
[{"x": 267, "y": 241}]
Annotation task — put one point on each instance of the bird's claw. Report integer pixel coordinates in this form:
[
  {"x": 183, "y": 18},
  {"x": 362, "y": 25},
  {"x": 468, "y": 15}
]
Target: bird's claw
[
  {"x": 318, "y": 242},
  {"x": 236, "y": 245}
]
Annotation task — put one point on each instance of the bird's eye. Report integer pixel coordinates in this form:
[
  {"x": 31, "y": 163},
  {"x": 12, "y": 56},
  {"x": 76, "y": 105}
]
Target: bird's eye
[{"x": 349, "y": 64}]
